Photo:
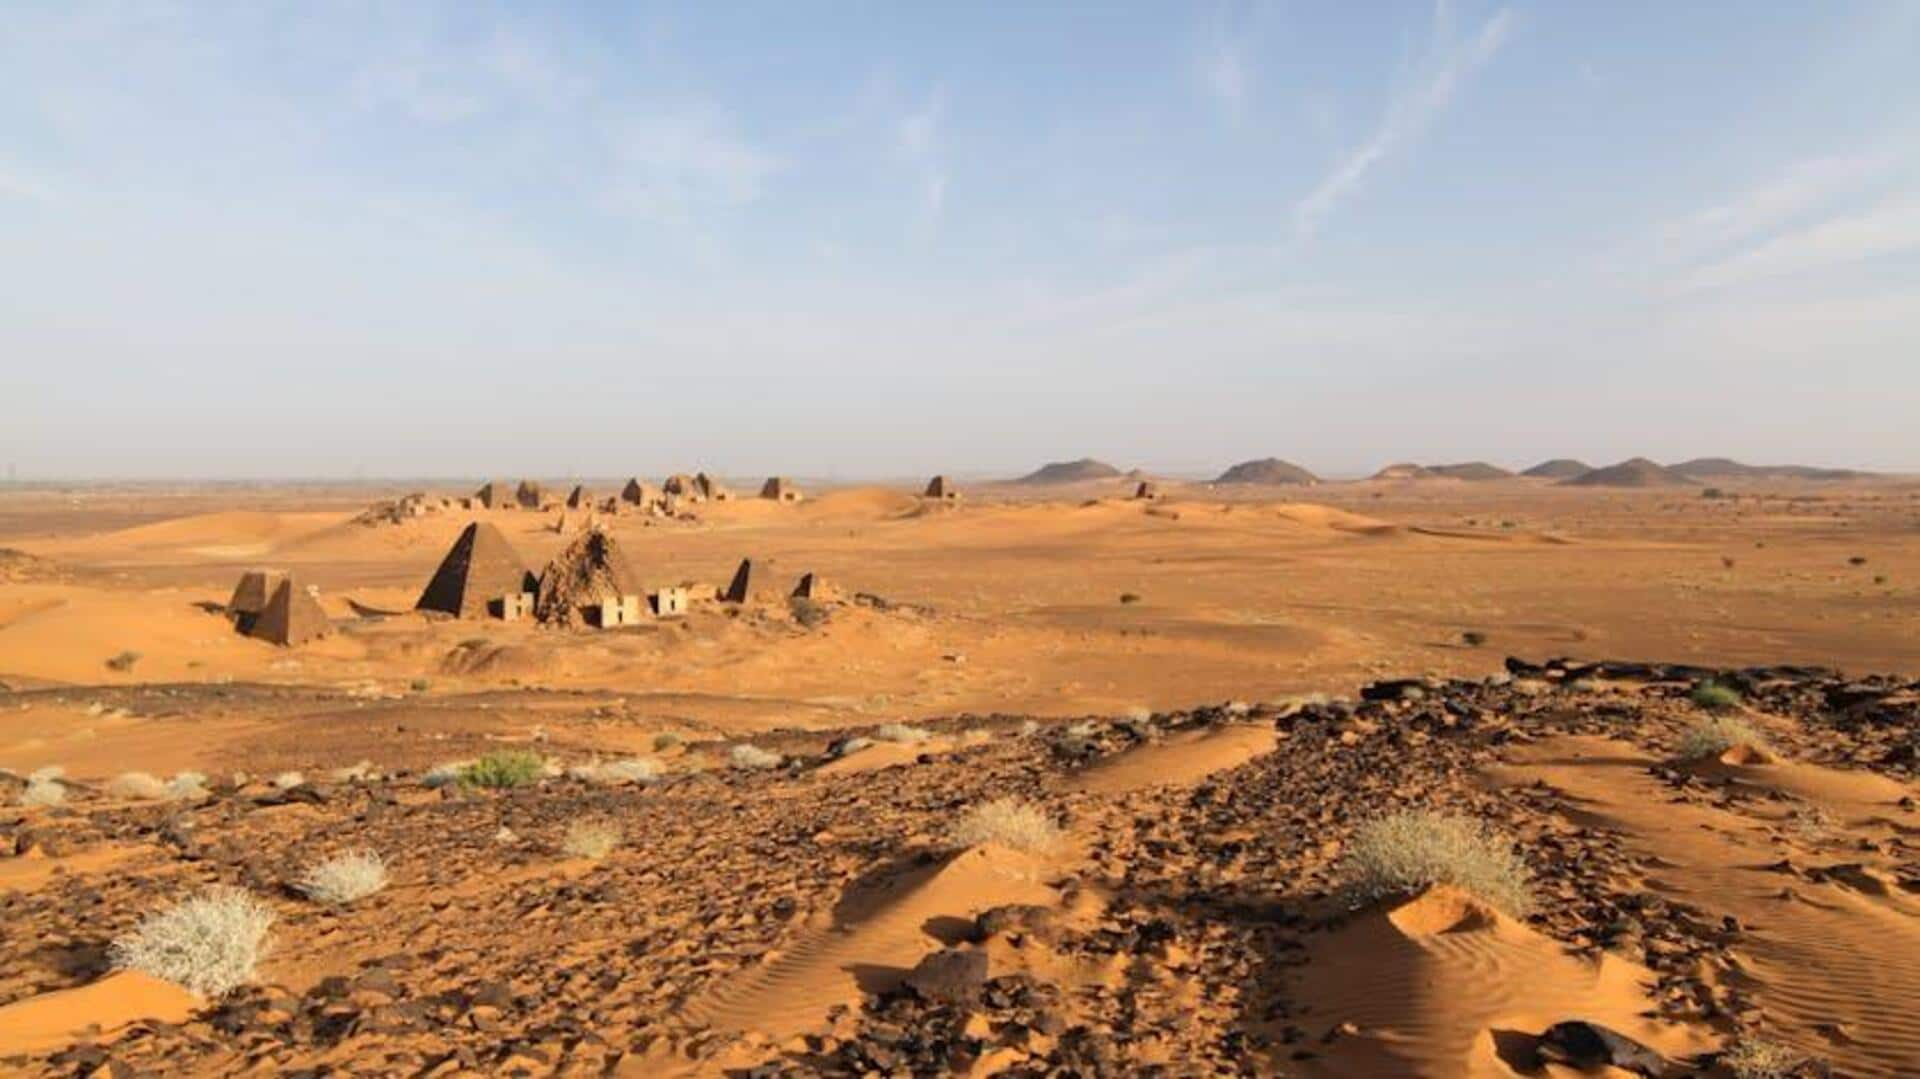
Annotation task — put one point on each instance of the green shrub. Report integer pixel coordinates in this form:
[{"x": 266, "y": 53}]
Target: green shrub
[
  {"x": 504, "y": 768},
  {"x": 1714, "y": 696}
]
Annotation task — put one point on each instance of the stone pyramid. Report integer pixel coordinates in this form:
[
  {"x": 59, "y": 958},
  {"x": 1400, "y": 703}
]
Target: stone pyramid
[
  {"x": 741, "y": 590},
  {"x": 291, "y": 617},
  {"x": 589, "y": 571},
  {"x": 479, "y": 568},
  {"x": 256, "y": 587}
]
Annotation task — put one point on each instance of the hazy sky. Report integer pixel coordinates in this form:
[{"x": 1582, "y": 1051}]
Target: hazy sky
[{"x": 313, "y": 238}]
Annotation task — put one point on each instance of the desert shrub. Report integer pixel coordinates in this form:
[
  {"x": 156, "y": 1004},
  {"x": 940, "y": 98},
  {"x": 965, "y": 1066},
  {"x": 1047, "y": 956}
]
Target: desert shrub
[
  {"x": 1857, "y": 560},
  {"x": 666, "y": 740},
  {"x": 1714, "y": 736},
  {"x": 1473, "y": 638},
  {"x": 137, "y": 786},
  {"x": 419, "y": 685},
  {"x": 286, "y": 781},
  {"x": 1009, "y": 822},
  {"x": 43, "y": 791},
  {"x": 47, "y": 774},
  {"x": 187, "y": 787},
  {"x": 1406, "y": 851},
  {"x": 123, "y": 661},
  {"x": 1757, "y": 1058},
  {"x": 504, "y": 768},
  {"x": 751, "y": 757},
  {"x": 900, "y": 732},
  {"x": 1129, "y": 597},
  {"x": 620, "y": 772},
  {"x": 847, "y": 747},
  {"x": 209, "y": 944},
  {"x": 356, "y": 773},
  {"x": 344, "y": 878},
  {"x": 1714, "y": 696},
  {"x": 593, "y": 839}
]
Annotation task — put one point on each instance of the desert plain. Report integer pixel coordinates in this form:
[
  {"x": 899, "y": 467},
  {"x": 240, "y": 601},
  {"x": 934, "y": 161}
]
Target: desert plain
[{"x": 1050, "y": 779}]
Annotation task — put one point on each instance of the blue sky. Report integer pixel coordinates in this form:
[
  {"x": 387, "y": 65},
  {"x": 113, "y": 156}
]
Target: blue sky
[{"x": 257, "y": 239}]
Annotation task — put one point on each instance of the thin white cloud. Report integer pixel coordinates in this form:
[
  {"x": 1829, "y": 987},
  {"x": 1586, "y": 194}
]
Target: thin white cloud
[
  {"x": 917, "y": 138},
  {"x": 1801, "y": 188},
  {"x": 1445, "y": 68},
  {"x": 1890, "y": 228}
]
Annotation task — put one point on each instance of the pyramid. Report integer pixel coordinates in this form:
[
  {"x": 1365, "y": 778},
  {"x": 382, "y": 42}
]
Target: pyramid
[
  {"x": 586, "y": 573},
  {"x": 780, "y": 489},
  {"x": 580, "y": 499},
  {"x": 634, "y": 492},
  {"x": 492, "y": 495},
  {"x": 256, "y": 587},
  {"x": 480, "y": 567},
  {"x": 812, "y": 586},
  {"x": 941, "y": 487},
  {"x": 527, "y": 495},
  {"x": 741, "y": 590},
  {"x": 291, "y": 617}
]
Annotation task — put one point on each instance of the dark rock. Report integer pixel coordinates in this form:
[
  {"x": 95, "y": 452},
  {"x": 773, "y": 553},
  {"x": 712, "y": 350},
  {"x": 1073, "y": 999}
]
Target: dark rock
[
  {"x": 1588, "y": 1045},
  {"x": 950, "y": 976}
]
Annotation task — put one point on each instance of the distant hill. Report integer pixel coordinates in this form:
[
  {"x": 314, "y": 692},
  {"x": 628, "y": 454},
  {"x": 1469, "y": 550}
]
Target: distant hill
[
  {"x": 1403, "y": 471},
  {"x": 1470, "y": 470},
  {"x": 1086, "y": 468},
  {"x": 1724, "y": 468},
  {"x": 1560, "y": 468},
  {"x": 1271, "y": 471},
  {"x": 1637, "y": 472}
]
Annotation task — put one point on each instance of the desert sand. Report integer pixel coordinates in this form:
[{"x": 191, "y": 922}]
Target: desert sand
[{"x": 1202, "y": 698}]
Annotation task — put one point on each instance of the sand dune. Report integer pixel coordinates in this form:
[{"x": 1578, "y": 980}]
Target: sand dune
[{"x": 1445, "y": 985}]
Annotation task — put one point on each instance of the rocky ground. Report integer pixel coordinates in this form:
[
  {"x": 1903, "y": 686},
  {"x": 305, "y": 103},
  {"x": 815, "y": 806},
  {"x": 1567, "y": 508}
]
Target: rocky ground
[{"x": 1181, "y": 922}]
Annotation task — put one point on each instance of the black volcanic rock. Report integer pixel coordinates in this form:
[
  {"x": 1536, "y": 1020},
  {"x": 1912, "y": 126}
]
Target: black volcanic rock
[
  {"x": 1270, "y": 471},
  {"x": 1086, "y": 468}
]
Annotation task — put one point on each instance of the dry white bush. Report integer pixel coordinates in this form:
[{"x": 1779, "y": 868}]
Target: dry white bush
[
  {"x": 641, "y": 770},
  {"x": 286, "y": 781},
  {"x": 593, "y": 839},
  {"x": 1715, "y": 735},
  {"x": 848, "y": 747},
  {"x": 137, "y": 786},
  {"x": 978, "y": 736},
  {"x": 209, "y": 944},
  {"x": 1009, "y": 822},
  {"x": 1239, "y": 708},
  {"x": 1759, "y": 1059},
  {"x": 1138, "y": 714},
  {"x": 900, "y": 732},
  {"x": 43, "y": 792},
  {"x": 46, "y": 775},
  {"x": 344, "y": 878},
  {"x": 187, "y": 787},
  {"x": 1030, "y": 728},
  {"x": 1406, "y": 851},
  {"x": 753, "y": 758},
  {"x": 358, "y": 773}
]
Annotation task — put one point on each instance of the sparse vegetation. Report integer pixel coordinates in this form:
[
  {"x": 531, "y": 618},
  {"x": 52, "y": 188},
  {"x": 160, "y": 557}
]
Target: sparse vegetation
[
  {"x": 1009, "y": 822},
  {"x": 1473, "y": 638},
  {"x": 123, "y": 661},
  {"x": 1757, "y": 1058},
  {"x": 749, "y": 757},
  {"x": 344, "y": 878},
  {"x": 666, "y": 740},
  {"x": 640, "y": 770},
  {"x": 1857, "y": 560},
  {"x": 43, "y": 791},
  {"x": 187, "y": 787},
  {"x": 419, "y": 685},
  {"x": 1714, "y": 736},
  {"x": 1404, "y": 852},
  {"x": 900, "y": 732},
  {"x": 1129, "y": 597},
  {"x": 209, "y": 944},
  {"x": 593, "y": 839},
  {"x": 137, "y": 786},
  {"x": 1714, "y": 696},
  {"x": 504, "y": 768},
  {"x": 446, "y": 773}
]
